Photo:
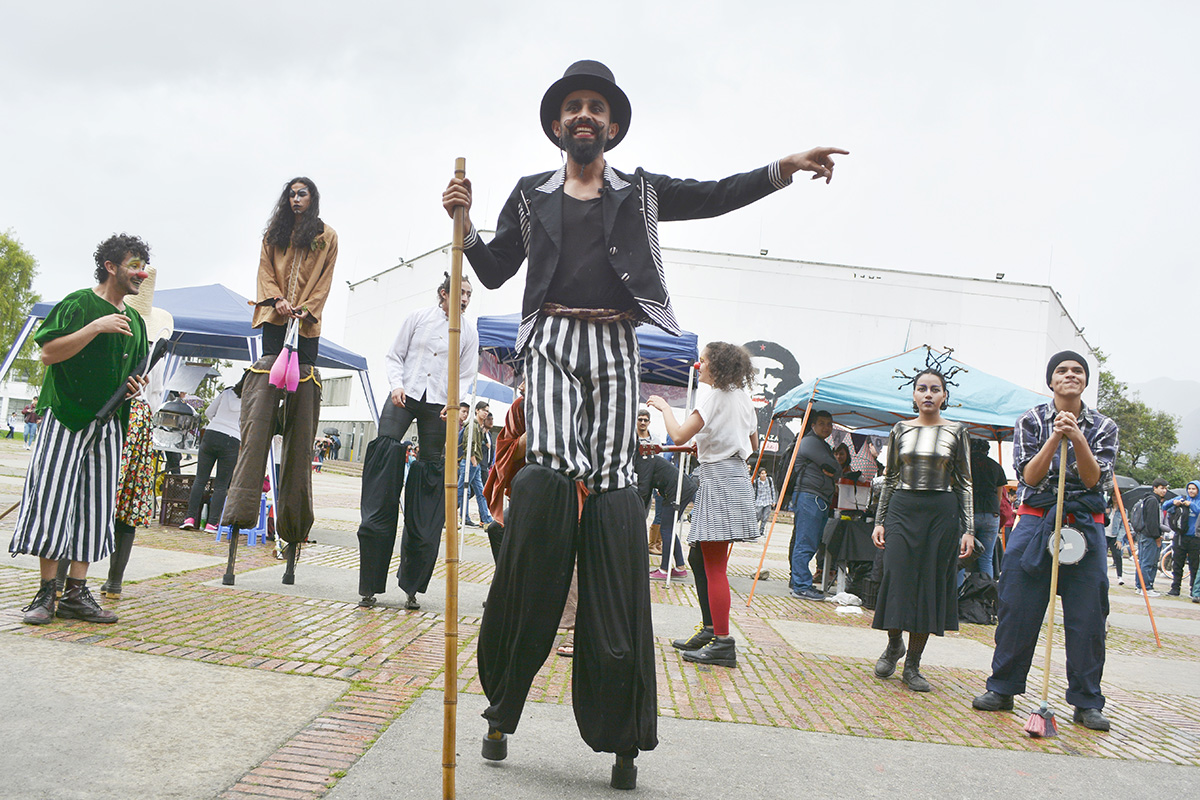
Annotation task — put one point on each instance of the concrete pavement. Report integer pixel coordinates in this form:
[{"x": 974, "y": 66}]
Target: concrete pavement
[{"x": 261, "y": 690}]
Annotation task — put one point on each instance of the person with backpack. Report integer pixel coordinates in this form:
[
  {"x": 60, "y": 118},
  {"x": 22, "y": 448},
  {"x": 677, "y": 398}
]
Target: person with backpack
[
  {"x": 1182, "y": 513},
  {"x": 1147, "y": 522}
]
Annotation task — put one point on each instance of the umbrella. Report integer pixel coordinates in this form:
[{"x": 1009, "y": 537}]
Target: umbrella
[
  {"x": 332, "y": 432},
  {"x": 1132, "y": 496},
  {"x": 1125, "y": 483}
]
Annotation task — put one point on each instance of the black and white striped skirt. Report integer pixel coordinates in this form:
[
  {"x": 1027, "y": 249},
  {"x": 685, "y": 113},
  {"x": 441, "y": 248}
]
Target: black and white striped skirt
[
  {"x": 68, "y": 506},
  {"x": 724, "y": 510}
]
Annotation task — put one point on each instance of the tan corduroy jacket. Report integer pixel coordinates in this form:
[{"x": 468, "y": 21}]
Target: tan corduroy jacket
[{"x": 312, "y": 286}]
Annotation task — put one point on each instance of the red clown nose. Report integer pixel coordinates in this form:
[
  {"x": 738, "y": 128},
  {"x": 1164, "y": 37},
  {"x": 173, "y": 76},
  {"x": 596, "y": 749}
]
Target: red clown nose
[
  {"x": 142, "y": 275},
  {"x": 696, "y": 365}
]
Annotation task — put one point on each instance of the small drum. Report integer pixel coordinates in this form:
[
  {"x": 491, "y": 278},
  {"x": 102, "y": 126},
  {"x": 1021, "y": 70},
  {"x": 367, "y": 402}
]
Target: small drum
[{"x": 1072, "y": 548}]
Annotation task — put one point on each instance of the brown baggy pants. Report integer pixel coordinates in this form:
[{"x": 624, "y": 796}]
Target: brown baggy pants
[{"x": 262, "y": 418}]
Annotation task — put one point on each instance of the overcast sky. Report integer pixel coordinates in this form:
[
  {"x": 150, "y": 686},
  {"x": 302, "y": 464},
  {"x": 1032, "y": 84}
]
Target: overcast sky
[{"x": 1055, "y": 142}]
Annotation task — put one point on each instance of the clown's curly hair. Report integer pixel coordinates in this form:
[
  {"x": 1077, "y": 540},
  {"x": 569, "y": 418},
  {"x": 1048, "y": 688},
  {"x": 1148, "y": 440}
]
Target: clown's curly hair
[
  {"x": 114, "y": 249},
  {"x": 284, "y": 230},
  {"x": 728, "y": 365}
]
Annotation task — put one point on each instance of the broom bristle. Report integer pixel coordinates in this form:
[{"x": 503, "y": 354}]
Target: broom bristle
[{"x": 1041, "y": 724}]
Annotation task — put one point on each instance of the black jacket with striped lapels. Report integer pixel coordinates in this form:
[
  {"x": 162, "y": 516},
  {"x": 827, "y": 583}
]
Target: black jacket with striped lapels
[{"x": 530, "y": 227}]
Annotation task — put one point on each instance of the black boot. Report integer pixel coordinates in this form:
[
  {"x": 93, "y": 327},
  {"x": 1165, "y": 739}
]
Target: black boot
[
  {"x": 721, "y": 651},
  {"x": 77, "y": 603},
  {"x": 41, "y": 610},
  {"x": 701, "y": 637},
  {"x": 886, "y": 665},
  {"x": 624, "y": 771},
  {"x": 117, "y": 562},
  {"x": 912, "y": 676}
]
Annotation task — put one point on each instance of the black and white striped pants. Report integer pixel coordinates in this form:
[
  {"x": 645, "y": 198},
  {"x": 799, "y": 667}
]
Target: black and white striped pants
[
  {"x": 582, "y": 398},
  {"x": 68, "y": 507}
]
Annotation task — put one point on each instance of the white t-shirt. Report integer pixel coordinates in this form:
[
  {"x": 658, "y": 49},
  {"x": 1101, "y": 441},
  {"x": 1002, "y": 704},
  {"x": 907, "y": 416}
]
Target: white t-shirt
[
  {"x": 729, "y": 420},
  {"x": 224, "y": 414}
]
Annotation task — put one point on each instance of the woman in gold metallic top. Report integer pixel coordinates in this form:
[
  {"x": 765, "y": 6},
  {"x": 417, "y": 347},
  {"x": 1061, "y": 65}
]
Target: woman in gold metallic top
[{"x": 924, "y": 524}]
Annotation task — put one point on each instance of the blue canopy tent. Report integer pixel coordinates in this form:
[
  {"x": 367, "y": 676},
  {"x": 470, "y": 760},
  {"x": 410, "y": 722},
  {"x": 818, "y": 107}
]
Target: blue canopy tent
[
  {"x": 868, "y": 397},
  {"x": 214, "y": 322},
  {"x": 665, "y": 359}
]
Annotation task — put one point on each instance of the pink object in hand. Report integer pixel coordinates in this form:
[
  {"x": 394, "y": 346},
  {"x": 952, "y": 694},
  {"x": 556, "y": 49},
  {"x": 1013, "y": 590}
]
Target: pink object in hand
[
  {"x": 293, "y": 371},
  {"x": 279, "y": 370}
]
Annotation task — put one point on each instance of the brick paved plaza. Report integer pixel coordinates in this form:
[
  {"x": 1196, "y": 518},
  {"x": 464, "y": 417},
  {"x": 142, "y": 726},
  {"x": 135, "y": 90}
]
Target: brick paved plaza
[{"x": 803, "y": 666}]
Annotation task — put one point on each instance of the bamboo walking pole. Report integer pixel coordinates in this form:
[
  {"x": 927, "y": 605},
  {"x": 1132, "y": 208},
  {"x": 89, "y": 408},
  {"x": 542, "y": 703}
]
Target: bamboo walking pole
[
  {"x": 450, "y": 674},
  {"x": 1041, "y": 720}
]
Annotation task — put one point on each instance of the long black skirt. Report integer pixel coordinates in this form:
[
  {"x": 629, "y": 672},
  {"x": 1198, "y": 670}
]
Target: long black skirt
[{"x": 919, "y": 590}]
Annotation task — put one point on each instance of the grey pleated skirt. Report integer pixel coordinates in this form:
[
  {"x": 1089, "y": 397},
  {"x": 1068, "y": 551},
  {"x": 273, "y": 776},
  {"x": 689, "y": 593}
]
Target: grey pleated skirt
[{"x": 724, "y": 510}]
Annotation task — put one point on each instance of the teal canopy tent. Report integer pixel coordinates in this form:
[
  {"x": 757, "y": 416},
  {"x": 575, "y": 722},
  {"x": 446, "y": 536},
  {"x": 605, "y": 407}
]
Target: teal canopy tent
[{"x": 871, "y": 397}]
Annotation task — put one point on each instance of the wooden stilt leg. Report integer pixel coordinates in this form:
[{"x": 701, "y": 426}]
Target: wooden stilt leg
[{"x": 227, "y": 578}]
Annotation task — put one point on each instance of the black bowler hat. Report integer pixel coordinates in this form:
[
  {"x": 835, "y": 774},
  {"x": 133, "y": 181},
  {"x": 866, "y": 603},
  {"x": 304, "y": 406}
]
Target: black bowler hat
[{"x": 586, "y": 75}]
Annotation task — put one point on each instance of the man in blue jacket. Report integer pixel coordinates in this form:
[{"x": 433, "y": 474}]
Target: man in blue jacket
[
  {"x": 590, "y": 236},
  {"x": 1187, "y": 544}
]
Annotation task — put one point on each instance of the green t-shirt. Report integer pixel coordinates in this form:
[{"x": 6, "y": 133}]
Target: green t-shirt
[{"x": 77, "y": 388}]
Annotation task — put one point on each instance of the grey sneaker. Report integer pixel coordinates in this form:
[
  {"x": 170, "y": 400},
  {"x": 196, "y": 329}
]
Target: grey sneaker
[{"x": 809, "y": 594}]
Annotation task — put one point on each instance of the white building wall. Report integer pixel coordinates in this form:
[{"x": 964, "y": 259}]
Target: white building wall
[{"x": 828, "y": 316}]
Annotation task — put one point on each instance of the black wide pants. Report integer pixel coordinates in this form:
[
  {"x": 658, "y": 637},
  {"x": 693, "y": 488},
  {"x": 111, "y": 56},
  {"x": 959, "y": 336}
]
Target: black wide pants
[
  {"x": 613, "y": 681},
  {"x": 383, "y": 480}
]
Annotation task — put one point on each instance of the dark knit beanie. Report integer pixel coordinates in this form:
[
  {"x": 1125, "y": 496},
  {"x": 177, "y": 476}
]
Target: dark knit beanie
[{"x": 1068, "y": 355}]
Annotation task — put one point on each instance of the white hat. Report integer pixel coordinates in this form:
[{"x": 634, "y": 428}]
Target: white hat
[{"x": 159, "y": 323}]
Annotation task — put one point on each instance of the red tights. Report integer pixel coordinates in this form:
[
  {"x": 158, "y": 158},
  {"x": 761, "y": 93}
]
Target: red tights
[{"x": 716, "y": 559}]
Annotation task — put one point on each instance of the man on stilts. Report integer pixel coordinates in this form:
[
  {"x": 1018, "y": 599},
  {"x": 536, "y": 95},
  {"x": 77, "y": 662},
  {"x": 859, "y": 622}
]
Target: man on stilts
[{"x": 590, "y": 236}]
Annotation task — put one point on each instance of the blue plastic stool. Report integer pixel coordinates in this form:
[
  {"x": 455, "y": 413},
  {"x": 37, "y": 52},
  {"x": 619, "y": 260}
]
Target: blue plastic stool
[{"x": 253, "y": 535}]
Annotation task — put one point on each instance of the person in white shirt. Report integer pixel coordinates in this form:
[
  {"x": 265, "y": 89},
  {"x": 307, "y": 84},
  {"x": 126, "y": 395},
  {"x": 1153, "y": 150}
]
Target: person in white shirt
[
  {"x": 219, "y": 446},
  {"x": 417, "y": 371},
  {"x": 726, "y": 432}
]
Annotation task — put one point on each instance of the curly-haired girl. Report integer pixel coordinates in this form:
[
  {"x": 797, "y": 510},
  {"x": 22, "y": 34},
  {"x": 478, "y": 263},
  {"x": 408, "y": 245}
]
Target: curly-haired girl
[{"x": 725, "y": 429}]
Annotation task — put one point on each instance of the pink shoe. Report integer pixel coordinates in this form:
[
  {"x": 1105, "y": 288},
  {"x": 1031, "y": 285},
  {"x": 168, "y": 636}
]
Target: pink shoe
[
  {"x": 210, "y": 528},
  {"x": 189, "y": 524},
  {"x": 679, "y": 573},
  {"x": 658, "y": 575}
]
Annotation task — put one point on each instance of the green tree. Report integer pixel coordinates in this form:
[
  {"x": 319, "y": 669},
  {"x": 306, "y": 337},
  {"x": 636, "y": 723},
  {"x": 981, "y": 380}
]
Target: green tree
[
  {"x": 1148, "y": 437},
  {"x": 18, "y": 268}
]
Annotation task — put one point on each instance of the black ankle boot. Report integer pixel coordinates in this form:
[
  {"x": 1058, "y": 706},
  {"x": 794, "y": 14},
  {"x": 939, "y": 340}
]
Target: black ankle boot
[
  {"x": 886, "y": 665},
  {"x": 912, "y": 676},
  {"x": 721, "y": 651},
  {"x": 624, "y": 771},
  {"x": 77, "y": 603},
  {"x": 41, "y": 610}
]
